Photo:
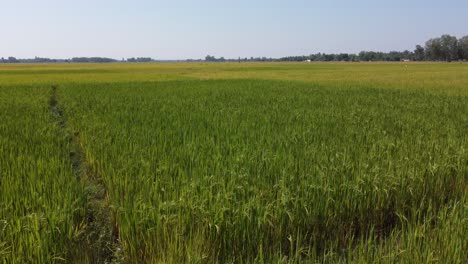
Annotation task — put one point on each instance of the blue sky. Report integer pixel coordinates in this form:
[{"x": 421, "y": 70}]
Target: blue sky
[{"x": 192, "y": 29}]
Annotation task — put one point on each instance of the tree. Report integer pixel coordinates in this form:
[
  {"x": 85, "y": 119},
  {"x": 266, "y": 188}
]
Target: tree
[
  {"x": 419, "y": 53},
  {"x": 463, "y": 48},
  {"x": 210, "y": 58},
  {"x": 12, "y": 60},
  {"x": 449, "y": 46},
  {"x": 434, "y": 49}
]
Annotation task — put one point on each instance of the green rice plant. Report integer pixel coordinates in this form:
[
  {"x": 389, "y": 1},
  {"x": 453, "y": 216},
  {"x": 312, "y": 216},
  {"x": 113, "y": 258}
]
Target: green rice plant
[
  {"x": 234, "y": 163},
  {"x": 221, "y": 171},
  {"x": 40, "y": 198}
]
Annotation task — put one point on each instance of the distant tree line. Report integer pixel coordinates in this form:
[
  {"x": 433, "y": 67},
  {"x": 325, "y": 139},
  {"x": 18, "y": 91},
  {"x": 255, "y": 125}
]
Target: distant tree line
[
  {"x": 73, "y": 60},
  {"x": 210, "y": 58},
  {"x": 92, "y": 60},
  {"x": 9, "y": 60},
  {"x": 140, "y": 59},
  {"x": 445, "y": 48},
  {"x": 213, "y": 58}
]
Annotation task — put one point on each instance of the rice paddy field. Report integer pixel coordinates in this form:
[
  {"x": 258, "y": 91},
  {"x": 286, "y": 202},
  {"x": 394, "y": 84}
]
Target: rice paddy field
[{"x": 234, "y": 163}]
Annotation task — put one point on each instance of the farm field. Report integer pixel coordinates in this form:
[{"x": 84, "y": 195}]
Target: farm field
[{"x": 234, "y": 163}]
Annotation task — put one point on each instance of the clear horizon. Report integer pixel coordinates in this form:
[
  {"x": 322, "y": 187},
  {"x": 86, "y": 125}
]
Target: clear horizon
[{"x": 191, "y": 30}]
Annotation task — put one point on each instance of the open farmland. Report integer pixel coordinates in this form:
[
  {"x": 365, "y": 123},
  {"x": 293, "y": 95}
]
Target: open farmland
[{"x": 234, "y": 163}]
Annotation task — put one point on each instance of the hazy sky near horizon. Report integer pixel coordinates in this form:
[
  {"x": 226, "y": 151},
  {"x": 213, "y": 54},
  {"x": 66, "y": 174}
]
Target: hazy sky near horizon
[{"x": 182, "y": 29}]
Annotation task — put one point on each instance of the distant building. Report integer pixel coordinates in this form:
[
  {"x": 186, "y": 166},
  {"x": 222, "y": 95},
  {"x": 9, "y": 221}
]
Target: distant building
[{"x": 405, "y": 60}]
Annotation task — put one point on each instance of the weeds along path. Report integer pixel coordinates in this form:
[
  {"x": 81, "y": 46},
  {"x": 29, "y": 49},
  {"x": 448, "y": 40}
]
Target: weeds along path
[{"x": 99, "y": 239}]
